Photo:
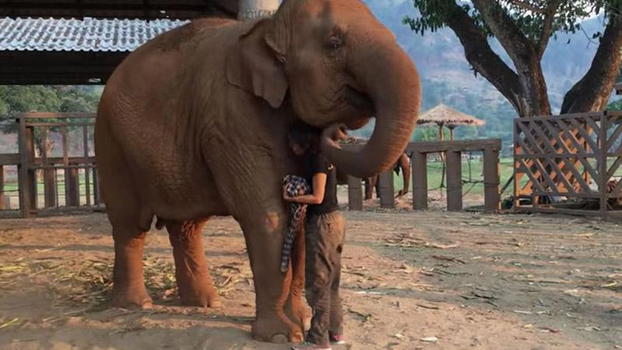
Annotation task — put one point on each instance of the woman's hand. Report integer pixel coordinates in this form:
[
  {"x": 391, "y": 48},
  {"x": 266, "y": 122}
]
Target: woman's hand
[{"x": 333, "y": 134}]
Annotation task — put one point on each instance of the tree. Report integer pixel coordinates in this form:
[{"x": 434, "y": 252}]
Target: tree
[
  {"x": 44, "y": 98},
  {"x": 524, "y": 29}
]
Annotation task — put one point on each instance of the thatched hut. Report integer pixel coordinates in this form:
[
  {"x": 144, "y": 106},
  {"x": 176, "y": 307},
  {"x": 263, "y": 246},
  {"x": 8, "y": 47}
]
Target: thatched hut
[{"x": 445, "y": 116}]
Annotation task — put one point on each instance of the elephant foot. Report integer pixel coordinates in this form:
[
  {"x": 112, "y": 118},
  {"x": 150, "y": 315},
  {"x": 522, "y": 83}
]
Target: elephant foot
[
  {"x": 275, "y": 330},
  {"x": 299, "y": 312},
  {"x": 205, "y": 296},
  {"x": 131, "y": 297}
]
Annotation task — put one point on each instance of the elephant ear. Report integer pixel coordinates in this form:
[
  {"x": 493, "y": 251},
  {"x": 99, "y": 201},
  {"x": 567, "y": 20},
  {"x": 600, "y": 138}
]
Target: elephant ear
[{"x": 253, "y": 66}]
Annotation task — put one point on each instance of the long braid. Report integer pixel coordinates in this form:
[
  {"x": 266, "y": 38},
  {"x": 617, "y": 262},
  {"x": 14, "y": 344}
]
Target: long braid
[{"x": 294, "y": 186}]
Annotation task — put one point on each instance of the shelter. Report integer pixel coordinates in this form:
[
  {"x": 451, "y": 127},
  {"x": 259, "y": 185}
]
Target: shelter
[
  {"x": 82, "y": 41},
  {"x": 619, "y": 88},
  {"x": 445, "y": 116}
]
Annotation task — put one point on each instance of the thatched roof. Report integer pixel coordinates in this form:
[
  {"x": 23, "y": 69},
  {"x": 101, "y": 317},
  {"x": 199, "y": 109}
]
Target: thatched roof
[
  {"x": 444, "y": 115},
  {"x": 619, "y": 88}
]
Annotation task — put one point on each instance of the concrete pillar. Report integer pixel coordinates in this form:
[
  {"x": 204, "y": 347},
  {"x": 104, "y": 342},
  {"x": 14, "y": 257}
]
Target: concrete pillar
[{"x": 253, "y": 9}]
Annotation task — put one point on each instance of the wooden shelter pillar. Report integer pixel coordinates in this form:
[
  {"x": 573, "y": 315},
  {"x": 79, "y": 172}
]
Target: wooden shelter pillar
[
  {"x": 420, "y": 180},
  {"x": 355, "y": 195},
  {"x": 454, "y": 180}
]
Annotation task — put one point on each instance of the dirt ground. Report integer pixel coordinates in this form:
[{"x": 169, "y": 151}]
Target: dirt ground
[{"x": 411, "y": 280}]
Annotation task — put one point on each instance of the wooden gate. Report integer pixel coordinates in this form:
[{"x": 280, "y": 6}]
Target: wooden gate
[
  {"x": 572, "y": 158},
  {"x": 52, "y": 178}
]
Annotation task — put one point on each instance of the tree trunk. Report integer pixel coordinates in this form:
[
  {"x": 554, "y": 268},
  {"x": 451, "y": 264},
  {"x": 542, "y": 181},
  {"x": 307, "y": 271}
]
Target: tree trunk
[
  {"x": 253, "y": 9},
  {"x": 591, "y": 93}
]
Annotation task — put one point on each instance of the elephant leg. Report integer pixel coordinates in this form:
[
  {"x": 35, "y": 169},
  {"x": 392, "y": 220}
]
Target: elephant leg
[
  {"x": 297, "y": 309},
  {"x": 194, "y": 283},
  {"x": 250, "y": 185},
  {"x": 272, "y": 287},
  {"x": 130, "y": 223},
  {"x": 128, "y": 284}
]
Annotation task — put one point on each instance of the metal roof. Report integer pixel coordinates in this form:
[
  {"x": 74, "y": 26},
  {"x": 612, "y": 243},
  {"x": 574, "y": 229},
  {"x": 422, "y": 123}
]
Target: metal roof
[
  {"x": 146, "y": 9},
  {"x": 87, "y": 34}
]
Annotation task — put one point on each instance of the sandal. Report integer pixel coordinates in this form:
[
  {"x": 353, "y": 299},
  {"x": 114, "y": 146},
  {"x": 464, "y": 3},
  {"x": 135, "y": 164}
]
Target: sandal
[
  {"x": 310, "y": 346},
  {"x": 337, "y": 339}
]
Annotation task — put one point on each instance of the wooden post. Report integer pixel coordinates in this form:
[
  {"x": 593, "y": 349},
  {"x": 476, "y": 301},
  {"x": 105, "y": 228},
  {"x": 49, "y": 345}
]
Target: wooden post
[
  {"x": 96, "y": 194},
  {"x": 387, "y": 192},
  {"x": 420, "y": 180},
  {"x": 49, "y": 188},
  {"x": 491, "y": 180},
  {"x": 72, "y": 187},
  {"x": 355, "y": 196},
  {"x": 25, "y": 180},
  {"x": 601, "y": 161},
  {"x": 49, "y": 175},
  {"x": 2, "y": 197},
  {"x": 87, "y": 170},
  {"x": 454, "y": 181}
]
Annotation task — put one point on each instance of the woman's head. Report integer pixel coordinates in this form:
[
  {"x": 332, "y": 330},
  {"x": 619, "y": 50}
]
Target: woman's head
[{"x": 303, "y": 138}]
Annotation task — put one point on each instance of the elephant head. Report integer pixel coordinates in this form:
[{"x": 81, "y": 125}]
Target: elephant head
[{"x": 339, "y": 65}]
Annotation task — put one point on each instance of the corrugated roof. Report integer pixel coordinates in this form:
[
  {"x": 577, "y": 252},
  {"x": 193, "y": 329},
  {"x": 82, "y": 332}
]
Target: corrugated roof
[{"x": 88, "y": 34}]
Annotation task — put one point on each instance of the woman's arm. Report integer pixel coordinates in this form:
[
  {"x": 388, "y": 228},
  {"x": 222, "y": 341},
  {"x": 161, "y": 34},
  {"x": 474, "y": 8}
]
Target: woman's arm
[{"x": 317, "y": 197}]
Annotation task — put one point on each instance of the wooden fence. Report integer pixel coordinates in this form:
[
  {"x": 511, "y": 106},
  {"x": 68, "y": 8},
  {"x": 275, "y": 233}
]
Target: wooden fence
[
  {"x": 572, "y": 159},
  {"x": 36, "y": 169},
  {"x": 453, "y": 156}
]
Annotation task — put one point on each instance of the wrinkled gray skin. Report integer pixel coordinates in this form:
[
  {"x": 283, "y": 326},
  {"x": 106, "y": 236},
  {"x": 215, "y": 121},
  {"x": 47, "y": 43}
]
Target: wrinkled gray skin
[{"x": 193, "y": 124}]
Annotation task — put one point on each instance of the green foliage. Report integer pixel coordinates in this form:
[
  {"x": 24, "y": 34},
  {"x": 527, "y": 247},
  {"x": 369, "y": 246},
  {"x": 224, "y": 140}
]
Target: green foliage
[
  {"x": 615, "y": 106},
  {"x": 425, "y": 133},
  {"x": 528, "y": 15},
  {"x": 45, "y": 98},
  {"x": 17, "y": 99}
]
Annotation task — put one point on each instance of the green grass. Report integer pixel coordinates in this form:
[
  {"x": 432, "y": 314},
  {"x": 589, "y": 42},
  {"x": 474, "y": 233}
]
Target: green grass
[
  {"x": 60, "y": 185},
  {"x": 473, "y": 183}
]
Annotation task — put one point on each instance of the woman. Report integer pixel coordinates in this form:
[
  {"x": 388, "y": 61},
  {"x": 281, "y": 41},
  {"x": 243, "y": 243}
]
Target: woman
[{"x": 324, "y": 236}]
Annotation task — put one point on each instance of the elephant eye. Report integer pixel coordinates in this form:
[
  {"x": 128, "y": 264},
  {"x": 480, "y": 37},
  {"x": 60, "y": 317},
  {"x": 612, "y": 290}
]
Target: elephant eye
[{"x": 335, "y": 41}]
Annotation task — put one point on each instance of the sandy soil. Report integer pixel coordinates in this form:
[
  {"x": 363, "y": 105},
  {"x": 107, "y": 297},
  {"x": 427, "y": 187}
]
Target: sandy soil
[{"x": 412, "y": 280}]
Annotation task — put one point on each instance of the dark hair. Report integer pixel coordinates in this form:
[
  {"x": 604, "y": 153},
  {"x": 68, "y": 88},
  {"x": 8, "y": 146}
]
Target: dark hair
[{"x": 305, "y": 136}]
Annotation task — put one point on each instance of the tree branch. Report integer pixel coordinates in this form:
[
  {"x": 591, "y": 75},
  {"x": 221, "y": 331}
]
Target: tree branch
[
  {"x": 547, "y": 27},
  {"x": 515, "y": 43},
  {"x": 592, "y": 92},
  {"x": 523, "y": 53},
  {"x": 481, "y": 56}
]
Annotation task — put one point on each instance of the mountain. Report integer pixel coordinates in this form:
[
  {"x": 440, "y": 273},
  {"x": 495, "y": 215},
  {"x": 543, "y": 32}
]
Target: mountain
[{"x": 447, "y": 77}]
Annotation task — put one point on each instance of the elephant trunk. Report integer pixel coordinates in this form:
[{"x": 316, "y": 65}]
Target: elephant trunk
[{"x": 390, "y": 80}]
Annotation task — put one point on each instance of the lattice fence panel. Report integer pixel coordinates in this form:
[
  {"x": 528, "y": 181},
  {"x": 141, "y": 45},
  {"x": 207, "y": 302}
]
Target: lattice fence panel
[{"x": 575, "y": 156}]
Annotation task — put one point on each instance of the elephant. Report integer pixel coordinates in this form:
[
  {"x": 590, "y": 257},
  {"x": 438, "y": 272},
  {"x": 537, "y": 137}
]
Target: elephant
[
  {"x": 403, "y": 165},
  {"x": 193, "y": 124}
]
